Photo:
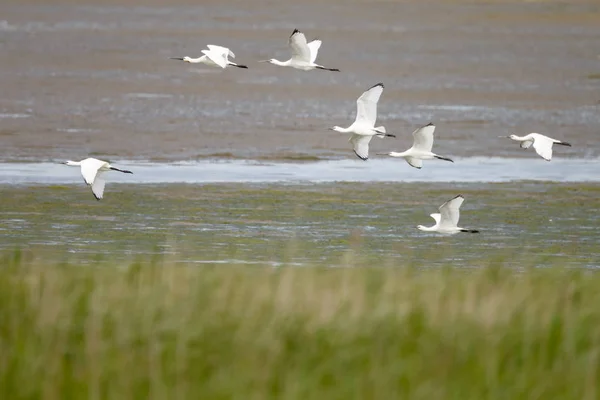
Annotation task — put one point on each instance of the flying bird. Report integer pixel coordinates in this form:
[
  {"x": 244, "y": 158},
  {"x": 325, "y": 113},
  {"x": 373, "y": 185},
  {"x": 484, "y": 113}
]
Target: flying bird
[
  {"x": 303, "y": 54},
  {"x": 421, "y": 148},
  {"x": 92, "y": 170},
  {"x": 447, "y": 220},
  {"x": 215, "y": 56},
  {"x": 363, "y": 129},
  {"x": 541, "y": 144}
]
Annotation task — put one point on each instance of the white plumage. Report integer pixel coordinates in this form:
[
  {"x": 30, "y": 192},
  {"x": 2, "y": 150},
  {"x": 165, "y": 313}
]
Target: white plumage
[
  {"x": 421, "y": 148},
  {"x": 447, "y": 220},
  {"x": 541, "y": 144},
  {"x": 363, "y": 128},
  {"x": 92, "y": 170},
  {"x": 304, "y": 54},
  {"x": 215, "y": 56}
]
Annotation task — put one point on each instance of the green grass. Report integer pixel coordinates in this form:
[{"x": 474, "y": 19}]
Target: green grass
[{"x": 152, "y": 330}]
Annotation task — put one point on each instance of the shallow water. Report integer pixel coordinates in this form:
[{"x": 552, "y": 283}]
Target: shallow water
[
  {"x": 522, "y": 224},
  {"x": 94, "y": 78},
  {"x": 376, "y": 170},
  {"x": 238, "y": 165}
]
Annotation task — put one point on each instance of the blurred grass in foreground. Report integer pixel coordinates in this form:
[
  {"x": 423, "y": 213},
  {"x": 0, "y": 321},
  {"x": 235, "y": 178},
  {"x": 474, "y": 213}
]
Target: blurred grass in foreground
[{"x": 153, "y": 330}]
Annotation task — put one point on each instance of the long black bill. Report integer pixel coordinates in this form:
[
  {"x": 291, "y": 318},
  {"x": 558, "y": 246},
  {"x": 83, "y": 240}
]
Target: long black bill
[{"x": 176, "y": 58}]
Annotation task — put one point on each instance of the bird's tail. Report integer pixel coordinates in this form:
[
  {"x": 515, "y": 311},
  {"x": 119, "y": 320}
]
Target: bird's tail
[
  {"x": 328, "y": 69},
  {"x": 382, "y": 132},
  {"x": 564, "y": 144},
  {"x": 470, "y": 230}
]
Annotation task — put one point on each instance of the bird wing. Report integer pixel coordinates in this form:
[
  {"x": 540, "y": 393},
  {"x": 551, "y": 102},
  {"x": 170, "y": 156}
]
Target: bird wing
[
  {"x": 299, "y": 47},
  {"x": 98, "y": 187},
  {"x": 436, "y": 217},
  {"x": 366, "y": 105},
  {"x": 543, "y": 146},
  {"x": 314, "y": 49},
  {"x": 526, "y": 144},
  {"x": 360, "y": 144},
  {"x": 423, "y": 138},
  {"x": 414, "y": 162},
  {"x": 221, "y": 49},
  {"x": 89, "y": 169},
  {"x": 217, "y": 56},
  {"x": 450, "y": 211}
]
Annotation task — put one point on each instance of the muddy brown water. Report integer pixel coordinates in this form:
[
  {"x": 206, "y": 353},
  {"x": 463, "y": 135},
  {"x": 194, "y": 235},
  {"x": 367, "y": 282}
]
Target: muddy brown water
[{"x": 94, "y": 78}]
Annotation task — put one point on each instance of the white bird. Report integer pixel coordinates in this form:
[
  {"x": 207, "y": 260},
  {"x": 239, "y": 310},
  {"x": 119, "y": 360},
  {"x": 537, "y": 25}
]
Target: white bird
[
  {"x": 421, "y": 148},
  {"x": 542, "y": 144},
  {"x": 215, "y": 56},
  {"x": 363, "y": 128},
  {"x": 447, "y": 220},
  {"x": 303, "y": 54},
  {"x": 92, "y": 170}
]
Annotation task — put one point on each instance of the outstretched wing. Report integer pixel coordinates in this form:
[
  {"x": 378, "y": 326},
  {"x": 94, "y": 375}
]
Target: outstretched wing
[
  {"x": 450, "y": 211},
  {"x": 98, "y": 187},
  {"x": 217, "y": 56},
  {"x": 314, "y": 49},
  {"x": 360, "y": 144},
  {"x": 436, "y": 217},
  {"x": 366, "y": 105},
  {"x": 423, "y": 138},
  {"x": 543, "y": 146},
  {"x": 221, "y": 49},
  {"x": 299, "y": 47}
]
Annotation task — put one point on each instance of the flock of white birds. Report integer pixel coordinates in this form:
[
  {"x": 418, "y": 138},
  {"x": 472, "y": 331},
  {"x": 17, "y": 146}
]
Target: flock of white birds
[{"x": 304, "y": 55}]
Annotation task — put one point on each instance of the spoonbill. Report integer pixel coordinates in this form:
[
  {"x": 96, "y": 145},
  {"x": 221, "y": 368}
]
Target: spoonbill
[
  {"x": 447, "y": 220},
  {"x": 215, "y": 56},
  {"x": 92, "y": 170},
  {"x": 542, "y": 144},
  {"x": 303, "y": 54},
  {"x": 421, "y": 148},
  {"x": 363, "y": 129}
]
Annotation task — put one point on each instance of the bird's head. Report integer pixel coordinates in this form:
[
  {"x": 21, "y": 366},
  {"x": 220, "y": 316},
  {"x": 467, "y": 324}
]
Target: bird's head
[
  {"x": 337, "y": 129},
  {"x": 513, "y": 137},
  {"x": 270, "y": 61},
  {"x": 421, "y": 228},
  {"x": 69, "y": 162}
]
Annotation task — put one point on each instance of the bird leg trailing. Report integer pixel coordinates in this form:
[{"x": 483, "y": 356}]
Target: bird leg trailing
[
  {"x": 327, "y": 69},
  {"x": 239, "y": 66},
  {"x": 470, "y": 230},
  {"x": 443, "y": 158},
  {"x": 121, "y": 170},
  {"x": 564, "y": 144}
]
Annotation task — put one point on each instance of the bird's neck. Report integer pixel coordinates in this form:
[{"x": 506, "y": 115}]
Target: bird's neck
[
  {"x": 342, "y": 130},
  {"x": 196, "y": 60},
  {"x": 397, "y": 154},
  {"x": 520, "y": 138},
  {"x": 280, "y": 63},
  {"x": 427, "y": 228}
]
